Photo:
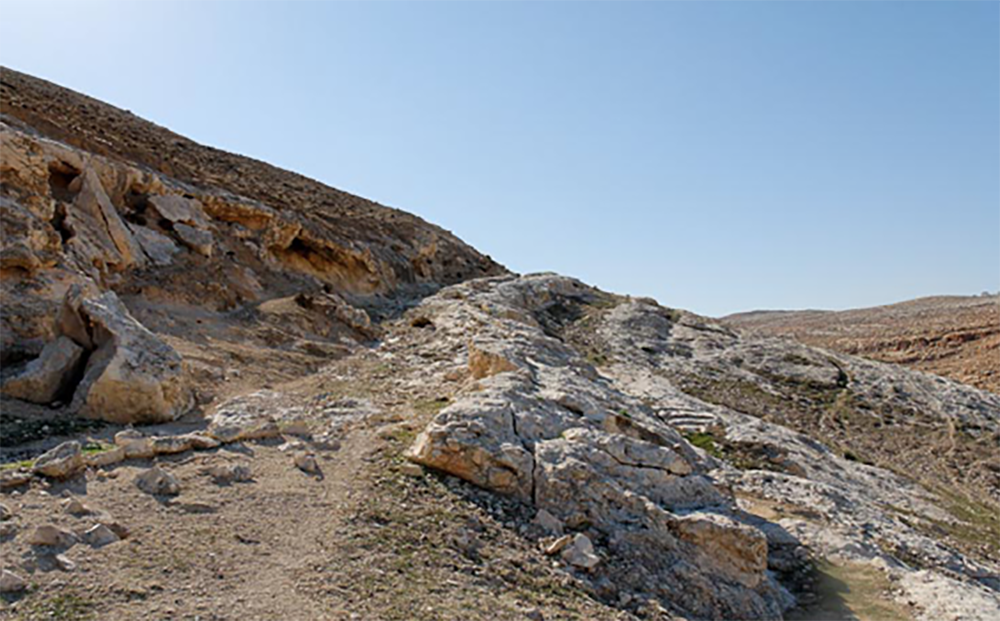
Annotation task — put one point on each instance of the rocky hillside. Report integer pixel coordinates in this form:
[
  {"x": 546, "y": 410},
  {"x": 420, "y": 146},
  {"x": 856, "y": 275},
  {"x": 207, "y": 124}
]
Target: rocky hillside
[
  {"x": 232, "y": 393},
  {"x": 956, "y": 337}
]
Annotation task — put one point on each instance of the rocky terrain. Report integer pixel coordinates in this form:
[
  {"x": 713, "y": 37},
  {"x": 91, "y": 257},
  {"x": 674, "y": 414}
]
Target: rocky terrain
[
  {"x": 229, "y": 392},
  {"x": 953, "y": 336}
]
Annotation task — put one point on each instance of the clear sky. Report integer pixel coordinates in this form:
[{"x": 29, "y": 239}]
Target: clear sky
[{"x": 716, "y": 156}]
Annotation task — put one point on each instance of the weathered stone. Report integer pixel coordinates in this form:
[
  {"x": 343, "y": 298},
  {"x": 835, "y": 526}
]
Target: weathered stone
[
  {"x": 52, "y": 536},
  {"x": 103, "y": 458},
  {"x": 64, "y": 563},
  {"x": 134, "y": 444},
  {"x": 157, "y": 482},
  {"x": 548, "y": 522},
  {"x": 11, "y": 478},
  {"x": 306, "y": 462},
  {"x": 132, "y": 376},
  {"x": 178, "y": 209},
  {"x": 229, "y": 473},
  {"x": 99, "y": 535},
  {"x": 49, "y": 376},
  {"x": 100, "y": 239},
  {"x": 61, "y": 462},
  {"x": 11, "y": 582},
  {"x": 735, "y": 550},
  {"x": 28, "y": 243},
  {"x": 580, "y": 553},
  {"x": 158, "y": 247},
  {"x": 73, "y": 506},
  {"x": 200, "y": 442},
  {"x": 168, "y": 445},
  {"x": 198, "y": 240}
]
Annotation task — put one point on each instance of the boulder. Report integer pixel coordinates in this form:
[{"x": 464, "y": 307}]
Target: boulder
[
  {"x": 132, "y": 376},
  {"x": 49, "y": 376},
  {"x": 158, "y": 482},
  {"x": 61, "y": 462}
]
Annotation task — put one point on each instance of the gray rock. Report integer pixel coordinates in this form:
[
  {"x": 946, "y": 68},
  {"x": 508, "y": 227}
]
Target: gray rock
[
  {"x": 49, "y": 376},
  {"x": 99, "y": 535},
  {"x": 158, "y": 247},
  {"x": 158, "y": 482},
  {"x": 198, "y": 240},
  {"x": 580, "y": 553}
]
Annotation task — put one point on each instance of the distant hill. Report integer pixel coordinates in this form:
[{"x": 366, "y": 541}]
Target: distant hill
[{"x": 954, "y": 336}]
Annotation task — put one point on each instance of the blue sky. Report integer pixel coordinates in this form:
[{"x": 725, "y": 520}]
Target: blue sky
[{"x": 716, "y": 156}]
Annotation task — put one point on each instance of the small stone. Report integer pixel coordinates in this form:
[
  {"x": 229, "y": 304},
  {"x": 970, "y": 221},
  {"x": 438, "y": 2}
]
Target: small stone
[
  {"x": 14, "y": 478},
  {"x": 51, "y": 535},
  {"x": 411, "y": 469},
  {"x": 557, "y": 546},
  {"x": 229, "y": 473},
  {"x": 73, "y": 506},
  {"x": 5, "y": 513},
  {"x": 306, "y": 462},
  {"x": 201, "y": 442},
  {"x": 157, "y": 482},
  {"x": 61, "y": 462},
  {"x": 168, "y": 445},
  {"x": 135, "y": 444},
  {"x": 105, "y": 458},
  {"x": 99, "y": 535},
  {"x": 11, "y": 582},
  {"x": 548, "y": 522},
  {"x": 63, "y": 563},
  {"x": 581, "y": 553}
]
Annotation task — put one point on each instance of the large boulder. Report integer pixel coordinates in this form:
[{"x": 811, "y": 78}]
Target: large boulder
[
  {"x": 49, "y": 376},
  {"x": 132, "y": 376}
]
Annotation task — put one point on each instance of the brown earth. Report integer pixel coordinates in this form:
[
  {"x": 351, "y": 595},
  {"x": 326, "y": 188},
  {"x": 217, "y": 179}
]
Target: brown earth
[{"x": 953, "y": 336}]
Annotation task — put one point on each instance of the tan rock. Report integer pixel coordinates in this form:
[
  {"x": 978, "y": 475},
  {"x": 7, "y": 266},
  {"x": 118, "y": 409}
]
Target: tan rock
[
  {"x": 52, "y": 536},
  {"x": 107, "y": 457},
  {"x": 49, "y": 376},
  {"x": 132, "y": 376},
  {"x": 178, "y": 209},
  {"x": 11, "y": 582},
  {"x": 61, "y": 462},
  {"x": 484, "y": 363}
]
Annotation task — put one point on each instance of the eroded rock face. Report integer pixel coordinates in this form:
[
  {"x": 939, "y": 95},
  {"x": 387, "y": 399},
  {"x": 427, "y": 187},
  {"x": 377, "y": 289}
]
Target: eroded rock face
[{"x": 542, "y": 427}]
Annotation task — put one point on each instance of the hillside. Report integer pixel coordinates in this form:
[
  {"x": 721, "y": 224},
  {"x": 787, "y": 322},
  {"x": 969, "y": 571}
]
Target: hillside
[
  {"x": 952, "y": 336},
  {"x": 229, "y": 392}
]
